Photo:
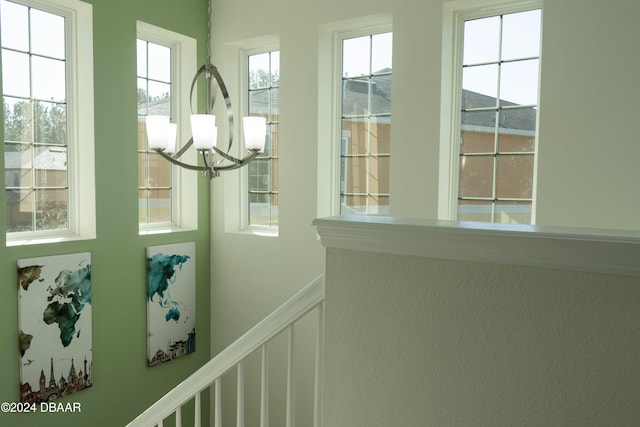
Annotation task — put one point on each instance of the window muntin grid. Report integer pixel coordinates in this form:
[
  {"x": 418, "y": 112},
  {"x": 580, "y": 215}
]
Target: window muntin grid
[
  {"x": 155, "y": 174},
  {"x": 365, "y": 124},
  {"x": 35, "y": 106},
  {"x": 264, "y": 97},
  {"x": 498, "y": 118}
]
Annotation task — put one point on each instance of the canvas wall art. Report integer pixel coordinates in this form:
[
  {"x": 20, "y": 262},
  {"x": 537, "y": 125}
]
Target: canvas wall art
[
  {"x": 171, "y": 302},
  {"x": 54, "y": 308}
]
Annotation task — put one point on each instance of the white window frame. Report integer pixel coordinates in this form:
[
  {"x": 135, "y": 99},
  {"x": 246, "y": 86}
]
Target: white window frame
[
  {"x": 185, "y": 182},
  {"x": 454, "y": 16},
  {"x": 330, "y": 103},
  {"x": 234, "y": 68},
  {"x": 264, "y": 230},
  {"x": 80, "y": 125}
]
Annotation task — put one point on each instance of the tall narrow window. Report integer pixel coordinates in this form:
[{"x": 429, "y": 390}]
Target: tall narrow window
[
  {"x": 154, "y": 97},
  {"x": 264, "y": 97},
  {"x": 34, "y": 80},
  {"x": 497, "y": 129},
  {"x": 365, "y": 124}
]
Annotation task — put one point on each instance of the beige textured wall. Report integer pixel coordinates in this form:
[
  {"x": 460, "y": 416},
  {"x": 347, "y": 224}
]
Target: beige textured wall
[{"x": 441, "y": 343}]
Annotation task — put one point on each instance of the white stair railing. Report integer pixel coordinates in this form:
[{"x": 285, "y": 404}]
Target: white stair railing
[{"x": 284, "y": 318}]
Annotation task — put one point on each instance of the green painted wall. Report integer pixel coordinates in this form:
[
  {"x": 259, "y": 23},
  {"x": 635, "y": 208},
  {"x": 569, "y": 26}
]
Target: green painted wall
[{"x": 123, "y": 384}]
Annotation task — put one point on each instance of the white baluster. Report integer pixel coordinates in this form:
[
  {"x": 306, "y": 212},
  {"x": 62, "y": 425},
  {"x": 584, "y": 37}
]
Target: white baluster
[
  {"x": 218, "y": 403},
  {"x": 317, "y": 398},
  {"x": 240, "y": 396},
  {"x": 197, "y": 416},
  {"x": 264, "y": 389},
  {"x": 179, "y": 416},
  {"x": 291, "y": 404}
]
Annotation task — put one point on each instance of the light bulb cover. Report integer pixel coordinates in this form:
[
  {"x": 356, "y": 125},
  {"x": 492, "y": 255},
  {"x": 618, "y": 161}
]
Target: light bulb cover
[
  {"x": 255, "y": 132},
  {"x": 204, "y": 131},
  {"x": 157, "y": 129}
]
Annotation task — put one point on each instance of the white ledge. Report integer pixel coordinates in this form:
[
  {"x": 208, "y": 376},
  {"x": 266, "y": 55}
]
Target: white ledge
[{"x": 589, "y": 250}]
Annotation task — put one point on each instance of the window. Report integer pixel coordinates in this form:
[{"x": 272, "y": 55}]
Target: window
[
  {"x": 166, "y": 193},
  {"x": 47, "y": 120},
  {"x": 496, "y": 128},
  {"x": 365, "y": 119},
  {"x": 154, "y": 97},
  {"x": 264, "y": 96}
]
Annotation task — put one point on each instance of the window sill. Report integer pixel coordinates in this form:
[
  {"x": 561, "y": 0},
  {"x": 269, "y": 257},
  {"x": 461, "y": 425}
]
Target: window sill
[
  {"x": 15, "y": 242},
  {"x": 163, "y": 230},
  {"x": 260, "y": 232}
]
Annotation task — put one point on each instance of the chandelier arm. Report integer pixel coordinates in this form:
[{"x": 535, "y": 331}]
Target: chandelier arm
[
  {"x": 183, "y": 149},
  {"x": 179, "y": 163},
  {"x": 227, "y": 100},
  {"x": 201, "y": 70},
  {"x": 239, "y": 164},
  {"x": 226, "y": 156}
]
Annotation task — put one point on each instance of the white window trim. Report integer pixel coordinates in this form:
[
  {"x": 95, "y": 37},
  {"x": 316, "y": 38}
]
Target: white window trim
[
  {"x": 260, "y": 230},
  {"x": 235, "y": 183},
  {"x": 184, "y": 194},
  {"x": 330, "y": 108},
  {"x": 80, "y": 116},
  {"x": 454, "y": 15}
]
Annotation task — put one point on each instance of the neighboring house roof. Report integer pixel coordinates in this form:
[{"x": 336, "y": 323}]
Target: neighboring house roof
[
  {"x": 516, "y": 119},
  {"x": 53, "y": 158}
]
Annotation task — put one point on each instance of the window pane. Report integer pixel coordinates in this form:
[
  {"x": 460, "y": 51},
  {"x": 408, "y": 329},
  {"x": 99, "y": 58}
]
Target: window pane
[
  {"x": 142, "y": 170},
  {"x": 477, "y": 132},
  {"x": 519, "y": 83},
  {"x": 141, "y": 49},
  {"x": 50, "y": 123},
  {"x": 15, "y": 79},
  {"x": 476, "y": 176},
  {"x": 381, "y": 94},
  {"x": 381, "y": 52},
  {"x": 517, "y": 130},
  {"x": 475, "y": 210},
  {"x": 20, "y": 210},
  {"x": 143, "y": 206},
  {"x": 51, "y": 166},
  {"x": 481, "y": 40},
  {"x": 14, "y": 26},
  {"x": 48, "y": 79},
  {"x": 17, "y": 120},
  {"x": 159, "y": 62},
  {"x": 275, "y": 69},
  {"x": 508, "y": 212},
  {"x": 52, "y": 209},
  {"x": 355, "y": 172},
  {"x": 521, "y": 35},
  {"x": 379, "y": 175},
  {"x": 143, "y": 97},
  {"x": 355, "y": 97},
  {"x": 259, "y": 102},
  {"x": 17, "y": 159},
  {"x": 51, "y": 42},
  {"x": 379, "y": 133},
  {"x": 159, "y": 100},
  {"x": 481, "y": 80},
  {"x": 259, "y": 71},
  {"x": 159, "y": 205},
  {"x": 356, "y": 57},
  {"x": 159, "y": 171},
  {"x": 514, "y": 176}
]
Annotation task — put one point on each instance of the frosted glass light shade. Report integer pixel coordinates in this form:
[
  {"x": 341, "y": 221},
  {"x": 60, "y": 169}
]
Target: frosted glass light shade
[
  {"x": 204, "y": 131},
  {"x": 157, "y": 130},
  {"x": 172, "y": 134},
  {"x": 255, "y": 132}
]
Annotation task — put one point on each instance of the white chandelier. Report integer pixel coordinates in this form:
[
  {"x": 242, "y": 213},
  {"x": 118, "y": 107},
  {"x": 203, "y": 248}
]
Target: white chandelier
[{"x": 162, "y": 135}]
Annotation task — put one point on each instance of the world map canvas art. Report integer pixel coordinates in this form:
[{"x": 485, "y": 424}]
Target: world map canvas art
[
  {"x": 171, "y": 302},
  {"x": 54, "y": 308}
]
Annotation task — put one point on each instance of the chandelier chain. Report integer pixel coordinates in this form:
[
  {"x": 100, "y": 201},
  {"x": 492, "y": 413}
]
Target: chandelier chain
[{"x": 209, "y": 19}]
